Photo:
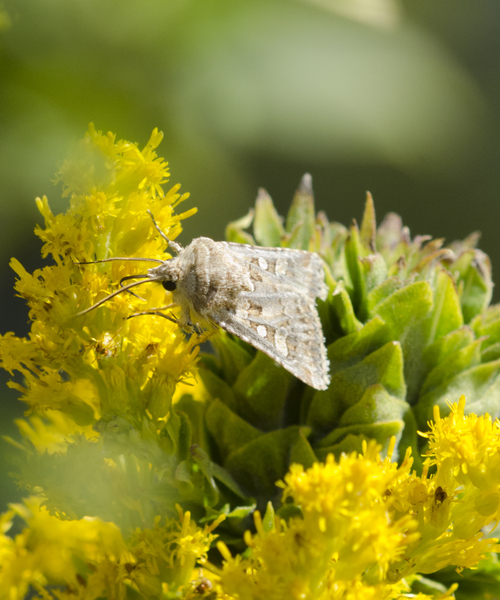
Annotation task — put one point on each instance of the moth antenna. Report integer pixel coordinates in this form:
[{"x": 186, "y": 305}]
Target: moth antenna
[
  {"x": 174, "y": 245},
  {"x": 93, "y": 262},
  {"x": 109, "y": 296}
]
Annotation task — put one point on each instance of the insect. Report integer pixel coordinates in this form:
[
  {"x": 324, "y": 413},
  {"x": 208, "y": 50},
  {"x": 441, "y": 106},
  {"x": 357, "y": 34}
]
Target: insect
[{"x": 264, "y": 296}]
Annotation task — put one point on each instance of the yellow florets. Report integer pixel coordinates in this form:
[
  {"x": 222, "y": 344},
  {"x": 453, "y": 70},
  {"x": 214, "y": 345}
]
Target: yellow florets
[{"x": 111, "y": 185}]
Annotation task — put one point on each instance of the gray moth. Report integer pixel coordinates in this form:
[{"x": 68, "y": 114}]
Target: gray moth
[{"x": 264, "y": 296}]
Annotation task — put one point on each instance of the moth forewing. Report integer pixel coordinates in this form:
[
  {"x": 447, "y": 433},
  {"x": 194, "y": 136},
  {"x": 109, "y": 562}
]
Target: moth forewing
[
  {"x": 299, "y": 268},
  {"x": 278, "y": 314}
]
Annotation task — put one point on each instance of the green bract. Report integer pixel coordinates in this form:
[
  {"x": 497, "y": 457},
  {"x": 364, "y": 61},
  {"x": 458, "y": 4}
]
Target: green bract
[{"x": 407, "y": 326}]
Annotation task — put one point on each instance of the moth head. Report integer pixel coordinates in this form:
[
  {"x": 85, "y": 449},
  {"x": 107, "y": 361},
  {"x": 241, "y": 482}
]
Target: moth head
[{"x": 168, "y": 274}]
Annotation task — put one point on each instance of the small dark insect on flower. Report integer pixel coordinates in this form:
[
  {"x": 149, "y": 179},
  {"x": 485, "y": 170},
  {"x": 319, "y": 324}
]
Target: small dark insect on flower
[
  {"x": 264, "y": 296},
  {"x": 440, "y": 495}
]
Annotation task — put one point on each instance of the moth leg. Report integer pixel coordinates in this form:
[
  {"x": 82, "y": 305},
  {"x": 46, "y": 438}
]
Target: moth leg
[{"x": 157, "y": 311}]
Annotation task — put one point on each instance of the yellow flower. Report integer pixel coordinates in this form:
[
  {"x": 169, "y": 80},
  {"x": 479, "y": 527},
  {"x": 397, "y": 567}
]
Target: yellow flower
[
  {"x": 91, "y": 559},
  {"x": 101, "y": 364}
]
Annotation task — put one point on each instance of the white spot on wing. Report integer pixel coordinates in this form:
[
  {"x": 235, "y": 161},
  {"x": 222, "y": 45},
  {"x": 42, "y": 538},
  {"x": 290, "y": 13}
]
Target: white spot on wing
[
  {"x": 262, "y": 331},
  {"x": 280, "y": 341},
  {"x": 263, "y": 264},
  {"x": 280, "y": 267}
]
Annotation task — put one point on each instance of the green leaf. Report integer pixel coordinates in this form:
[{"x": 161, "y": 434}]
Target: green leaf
[
  {"x": 381, "y": 292},
  {"x": 377, "y": 409},
  {"x": 261, "y": 390},
  {"x": 406, "y": 312},
  {"x": 376, "y": 406},
  {"x": 178, "y": 428},
  {"x": 343, "y": 309},
  {"x": 475, "y": 282},
  {"x": 80, "y": 412},
  {"x": 384, "y": 366},
  {"x": 268, "y": 518},
  {"x": 234, "y": 357},
  {"x": 368, "y": 230},
  {"x": 268, "y": 225},
  {"x": 228, "y": 430},
  {"x": 261, "y": 463},
  {"x": 447, "y": 312},
  {"x": 488, "y": 324},
  {"x": 375, "y": 272},
  {"x": 193, "y": 411},
  {"x": 353, "y": 253},
  {"x": 491, "y": 353},
  {"x": 452, "y": 365},
  {"x": 442, "y": 348},
  {"x": 218, "y": 388},
  {"x": 350, "y": 439},
  {"x": 300, "y": 222},
  {"x": 235, "y": 233},
  {"x": 474, "y": 383},
  {"x": 226, "y": 479},
  {"x": 301, "y": 451},
  {"x": 203, "y": 461},
  {"x": 352, "y": 348}
]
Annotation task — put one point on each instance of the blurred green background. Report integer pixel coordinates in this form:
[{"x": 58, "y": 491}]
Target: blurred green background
[{"x": 399, "y": 98}]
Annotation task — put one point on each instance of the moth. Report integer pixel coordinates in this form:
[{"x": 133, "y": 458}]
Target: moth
[{"x": 264, "y": 296}]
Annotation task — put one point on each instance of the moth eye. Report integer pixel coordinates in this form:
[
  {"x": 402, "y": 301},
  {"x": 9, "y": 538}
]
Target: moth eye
[{"x": 169, "y": 285}]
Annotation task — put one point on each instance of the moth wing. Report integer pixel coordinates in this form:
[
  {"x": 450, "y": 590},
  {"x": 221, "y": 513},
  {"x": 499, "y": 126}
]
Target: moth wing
[
  {"x": 284, "y": 325},
  {"x": 301, "y": 270}
]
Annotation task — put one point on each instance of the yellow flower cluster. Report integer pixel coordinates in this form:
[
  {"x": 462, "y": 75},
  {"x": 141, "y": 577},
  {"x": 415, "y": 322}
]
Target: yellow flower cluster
[
  {"x": 89, "y": 558},
  {"x": 367, "y": 527},
  {"x": 101, "y": 364}
]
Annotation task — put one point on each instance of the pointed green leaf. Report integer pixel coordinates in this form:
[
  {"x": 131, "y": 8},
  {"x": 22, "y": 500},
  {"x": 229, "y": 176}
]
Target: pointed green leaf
[
  {"x": 459, "y": 361},
  {"x": 343, "y": 310},
  {"x": 268, "y": 518},
  {"x": 193, "y": 412},
  {"x": 473, "y": 383},
  {"x": 447, "y": 345},
  {"x": 488, "y": 324},
  {"x": 353, "y": 253},
  {"x": 489, "y": 402},
  {"x": 301, "y": 451},
  {"x": 261, "y": 390},
  {"x": 235, "y": 233},
  {"x": 376, "y": 406},
  {"x": 369, "y": 225},
  {"x": 233, "y": 355},
  {"x": 381, "y": 432},
  {"x": 300, "y": 222},
  {"x": 353, "y": 348},
  {"x": 475, "y": 282},
  {"x": 491, "y": 353},
  {"x": 217, "y": 388},
  {"x": 228, "y": 430},
  {"x": 447, "y": 312},
  {"x": 407, "y": 312},
  {"x": 261, "y": 463},
  {"x": 268, "y": 225},
  {"x": 178, "y": 428},
  {"x": 205, "y": 465},
  {"x": 381, "y": 292},
  {"x": 226, "y": 479},
  {"x": 375, "y": 272},
  {"x": 384, "y": 366}
]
